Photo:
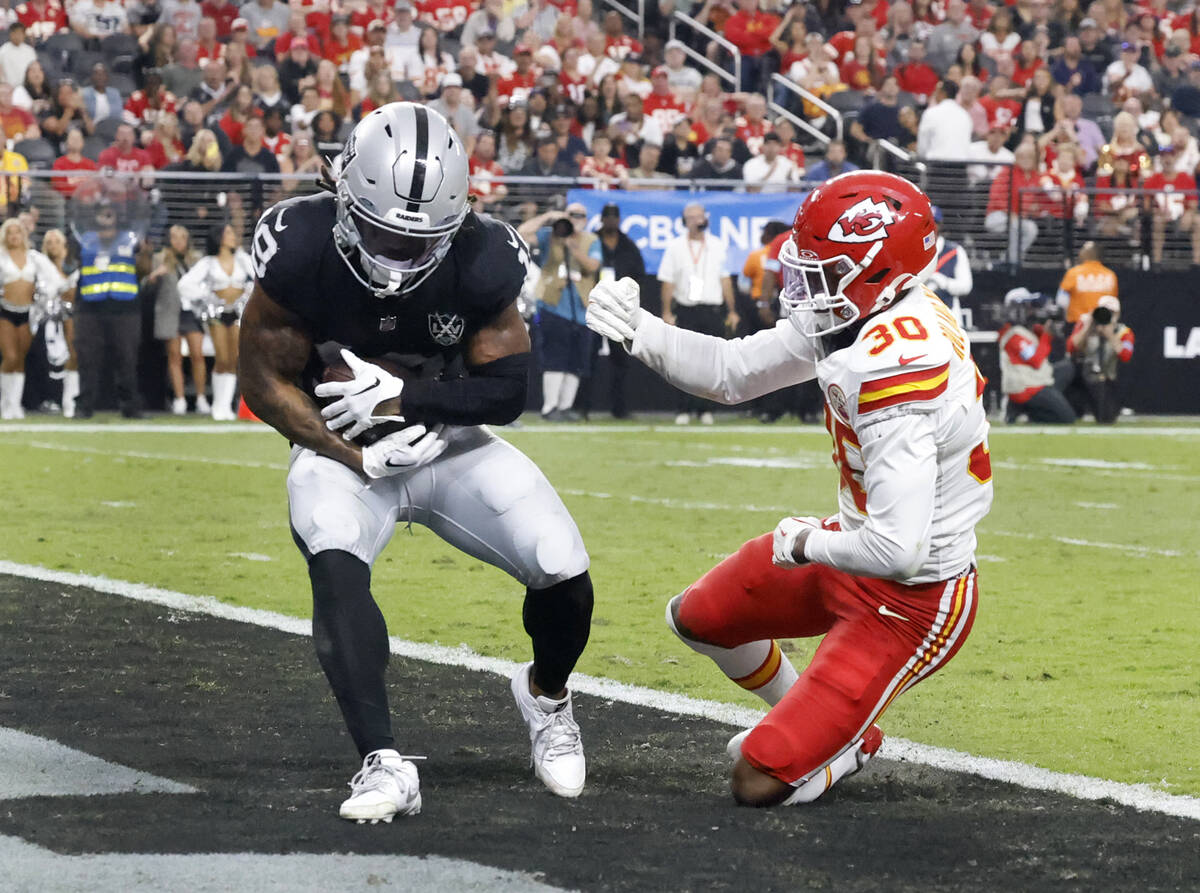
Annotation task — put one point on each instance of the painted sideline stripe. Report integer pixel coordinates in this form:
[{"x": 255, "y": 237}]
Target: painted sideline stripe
[
  {"x": 536, "y": 428},
  {"x": 666, "y": 502},
  {"x": 1139, "y": 796}
]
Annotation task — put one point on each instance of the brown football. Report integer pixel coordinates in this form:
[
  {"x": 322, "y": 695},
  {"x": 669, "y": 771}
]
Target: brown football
[{"x": 339, "y": 371}]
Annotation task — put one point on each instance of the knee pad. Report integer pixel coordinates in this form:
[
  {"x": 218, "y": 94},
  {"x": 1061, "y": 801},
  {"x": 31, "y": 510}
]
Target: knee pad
[{"x": 768, "y": 748}]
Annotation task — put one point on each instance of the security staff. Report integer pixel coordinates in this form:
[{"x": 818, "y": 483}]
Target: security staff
[{"x": 107, "y": 322}]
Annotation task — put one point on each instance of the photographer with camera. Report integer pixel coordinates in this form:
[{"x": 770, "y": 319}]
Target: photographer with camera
[
  {"x": 1099, "y": 344},
  {"x": 1033, "y": 385},
  {"x": 564, "y": 346}
]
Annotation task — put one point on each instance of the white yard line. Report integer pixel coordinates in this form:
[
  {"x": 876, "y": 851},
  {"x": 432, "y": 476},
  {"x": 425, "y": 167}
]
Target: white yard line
[{"x": 1138, "y": 796}]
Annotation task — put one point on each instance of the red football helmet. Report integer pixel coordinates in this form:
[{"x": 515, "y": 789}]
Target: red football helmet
[{"x": 859, "y": 241}]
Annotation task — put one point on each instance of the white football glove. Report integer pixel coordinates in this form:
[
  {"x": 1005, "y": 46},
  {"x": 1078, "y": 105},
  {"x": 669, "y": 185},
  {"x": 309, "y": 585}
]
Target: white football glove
[
  {"x": 370, "y": 386},
  {"x": 783, "y": 551},
  {"x": 403, "y": 451},
  {"x": 615, "y": 309}
]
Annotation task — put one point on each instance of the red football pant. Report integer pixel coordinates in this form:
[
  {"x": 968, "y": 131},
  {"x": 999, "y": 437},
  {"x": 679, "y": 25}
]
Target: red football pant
[{"x": 868, "y": 657}]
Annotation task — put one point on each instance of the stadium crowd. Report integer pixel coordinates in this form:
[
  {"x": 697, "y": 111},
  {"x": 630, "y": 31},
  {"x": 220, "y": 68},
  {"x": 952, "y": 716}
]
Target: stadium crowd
[{"x": 1064, "y": 114}]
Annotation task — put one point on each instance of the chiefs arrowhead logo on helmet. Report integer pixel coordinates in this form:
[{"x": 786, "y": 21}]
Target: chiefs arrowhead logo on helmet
[{"x": 865, "y": 221}]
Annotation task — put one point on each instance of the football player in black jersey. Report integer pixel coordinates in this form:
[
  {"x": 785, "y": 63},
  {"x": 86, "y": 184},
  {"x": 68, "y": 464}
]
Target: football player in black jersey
[{"x": 396, "y": 263}]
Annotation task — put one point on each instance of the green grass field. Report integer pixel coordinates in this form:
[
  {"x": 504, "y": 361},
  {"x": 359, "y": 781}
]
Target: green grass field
[{"x": 1084, "y": 656}]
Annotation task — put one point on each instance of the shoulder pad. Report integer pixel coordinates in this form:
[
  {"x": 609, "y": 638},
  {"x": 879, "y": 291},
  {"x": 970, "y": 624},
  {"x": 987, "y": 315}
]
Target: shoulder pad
[
  {"x": 289, "y": 241},
  {"x": 493, "y": 262},
  {"x": 903, "y": 355}
]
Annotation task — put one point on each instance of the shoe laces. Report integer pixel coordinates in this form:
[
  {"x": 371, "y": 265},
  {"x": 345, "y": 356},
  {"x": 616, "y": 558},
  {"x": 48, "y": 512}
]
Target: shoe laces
[
  {"x": 558, "y": 734},
  {"x": 376, "y": 773}
]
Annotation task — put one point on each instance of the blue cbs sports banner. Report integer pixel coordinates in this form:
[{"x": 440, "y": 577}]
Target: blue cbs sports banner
[{"x": 652, "y": 219}]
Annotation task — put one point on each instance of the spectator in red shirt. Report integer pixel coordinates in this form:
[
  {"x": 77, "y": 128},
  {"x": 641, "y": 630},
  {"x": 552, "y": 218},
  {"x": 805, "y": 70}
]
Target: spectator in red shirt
[
  {"x": 863, "y": 71},
  {"x": 13, "y": 119},
  {"x": 165, "y": 147},
  {"x": 341, "y": 44},
  {"x": 484, "y": 170},
  {"x": 516, "y": 86},
  {"x": 999, "y": 103},
  {"x": 601, "y": 166},
  {"x": 144, "y": 106},
  {"x": 42, "y": 19},
  {"x": 1014, "y": 200},
  {"x": 662, "y": 105},
  {"x": 750, "y": 29},
  {"x": 207, "y": 45},
  {"x": 1118, "y": 210},
  {"x": 1028, "y": 62},
  {"x": 791, "y": 149},
  {"x": 124, "y": 154},
  {"x": 73, "y": 160},
  {"x": 916, "y": 76},
  {"x": 753, "y": 125},
  {"x": 1173, "y": 202},
  {"x": 222, "y": 12},
  {"x": 1064, "y": 187},
  {"x": 617, "y": 43},
  {"x": 980, "y": 13}
]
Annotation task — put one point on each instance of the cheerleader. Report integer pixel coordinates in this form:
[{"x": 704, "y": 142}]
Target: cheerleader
[
  {"x": 61, "y": 287},
  {"x": 21, "y": 269},
  {"x": 217, "y": 289}
]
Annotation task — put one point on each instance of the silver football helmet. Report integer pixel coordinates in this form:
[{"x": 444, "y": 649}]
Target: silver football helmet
[{"x": 401, "y": 185}]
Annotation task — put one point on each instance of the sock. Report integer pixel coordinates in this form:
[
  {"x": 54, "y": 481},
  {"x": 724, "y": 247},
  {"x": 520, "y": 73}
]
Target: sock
[
  {"x": 760, "y": 667},
  {"x": 70, "y": 392},
  {"x": 551, "y": 386},
  {"x": 223, "y": 387},
  {"x": 352, "y": 646},
  {"x": 558, "y": 619},
  {"x": 7, "y": 389},
  {"x": 570, "y": 387}
]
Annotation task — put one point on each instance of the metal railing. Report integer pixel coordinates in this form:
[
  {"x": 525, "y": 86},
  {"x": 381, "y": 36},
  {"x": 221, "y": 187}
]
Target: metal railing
[
  {"x": 779, "y": 81},
  {"x": 638, "y": 18},
  {"x": 678, "y": 18},
  {"x": 1141, "y": 229}
]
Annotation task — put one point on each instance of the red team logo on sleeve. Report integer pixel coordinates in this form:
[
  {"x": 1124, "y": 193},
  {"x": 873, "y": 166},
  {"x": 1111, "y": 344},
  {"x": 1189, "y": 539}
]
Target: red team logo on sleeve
[{"x": 866, "y": 221}]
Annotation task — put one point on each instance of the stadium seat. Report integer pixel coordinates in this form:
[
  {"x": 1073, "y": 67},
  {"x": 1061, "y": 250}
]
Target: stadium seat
[
  {"x": 38, "y": 152},
  {"x": 123, "y": 83},
  {"x": 1097, "y": 105},
  {"x": 81, "y": 62},
  {"x": 106, "y": 129},
  {"x": 116, "y": 45},
  {"x": 62, "y": 44},
  {"x": 93, "y": 146}
]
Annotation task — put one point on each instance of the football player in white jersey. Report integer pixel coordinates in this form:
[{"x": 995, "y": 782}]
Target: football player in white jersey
[{"x": 890, "y": 579}]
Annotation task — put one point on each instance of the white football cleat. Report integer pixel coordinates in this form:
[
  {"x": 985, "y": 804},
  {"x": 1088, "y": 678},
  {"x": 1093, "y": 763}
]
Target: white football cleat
[
  {"x": 557, "y": 747},
  {"x": 385, "y": 787}
]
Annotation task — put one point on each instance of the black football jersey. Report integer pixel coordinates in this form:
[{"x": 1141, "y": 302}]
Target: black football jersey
[{"x": 299, "y": 267}]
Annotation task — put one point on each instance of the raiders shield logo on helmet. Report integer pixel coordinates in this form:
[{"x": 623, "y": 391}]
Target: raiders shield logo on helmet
[
  {"x": 446, "y": 328},
  {"x": 865, "y": 221}
]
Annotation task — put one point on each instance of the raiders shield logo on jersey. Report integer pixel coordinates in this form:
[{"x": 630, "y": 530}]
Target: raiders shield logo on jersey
[{"x": 446, "y": 328}]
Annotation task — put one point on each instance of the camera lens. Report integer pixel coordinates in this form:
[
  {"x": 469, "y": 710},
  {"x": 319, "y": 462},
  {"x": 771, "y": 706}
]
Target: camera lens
[
  {"x": 1102, "y": 316},
  {"x": 563, "y": 228}
]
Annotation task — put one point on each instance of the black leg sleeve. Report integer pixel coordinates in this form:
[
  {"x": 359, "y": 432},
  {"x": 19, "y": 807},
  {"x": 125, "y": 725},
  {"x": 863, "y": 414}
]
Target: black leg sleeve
[
  {"x": 352, "y": 645},
  {"x": 558, "y": 620}
]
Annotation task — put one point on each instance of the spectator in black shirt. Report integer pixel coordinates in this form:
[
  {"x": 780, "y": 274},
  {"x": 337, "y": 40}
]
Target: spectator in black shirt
[
  {"x": 297, "y": 65},
  {"x": 878, "y": 120},
  {"x": 679, "y": 153},
  {"x": 719, "y": 165},
  {"x": 250, "y": 159},
  {"x": 619, "y": 258}
]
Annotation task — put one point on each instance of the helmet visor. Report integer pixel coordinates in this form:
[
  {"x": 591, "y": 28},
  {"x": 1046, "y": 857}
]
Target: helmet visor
[
  {"x": 811, "y": 290},
  {"x": 402, "y": 252}
]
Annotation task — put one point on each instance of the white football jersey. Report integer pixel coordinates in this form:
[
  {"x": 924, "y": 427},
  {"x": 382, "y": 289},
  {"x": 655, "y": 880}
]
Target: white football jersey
[{"x": 904, "y": 407}]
